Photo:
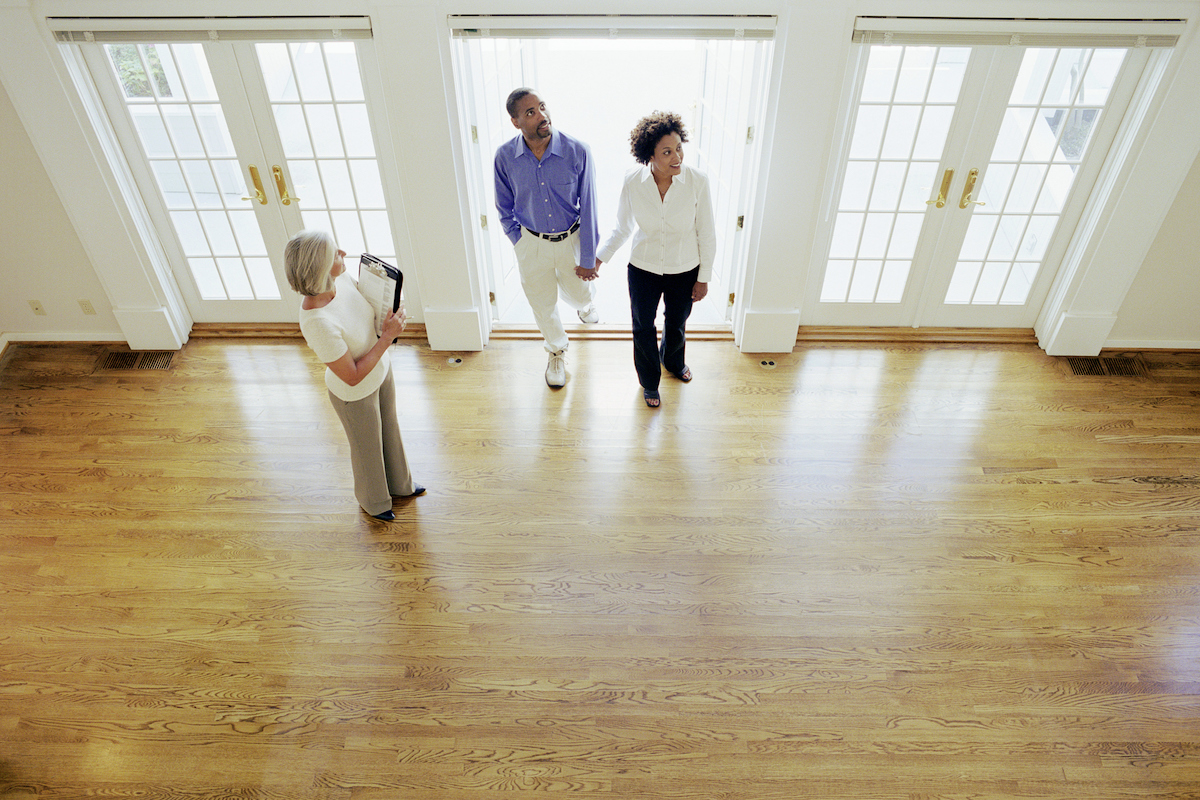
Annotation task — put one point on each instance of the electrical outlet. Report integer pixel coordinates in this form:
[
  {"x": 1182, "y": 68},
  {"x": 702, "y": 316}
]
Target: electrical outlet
[
  {"x": 37, "y": 308},
  {"x": 87, "y": 306}
]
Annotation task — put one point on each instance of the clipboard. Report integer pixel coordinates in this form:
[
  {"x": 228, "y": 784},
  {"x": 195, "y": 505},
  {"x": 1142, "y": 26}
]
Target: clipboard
[{"x": 381, "y": 283}]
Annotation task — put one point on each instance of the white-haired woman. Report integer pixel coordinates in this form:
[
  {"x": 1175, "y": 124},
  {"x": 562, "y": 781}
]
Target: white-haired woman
[{"x": 339, "y": 325}]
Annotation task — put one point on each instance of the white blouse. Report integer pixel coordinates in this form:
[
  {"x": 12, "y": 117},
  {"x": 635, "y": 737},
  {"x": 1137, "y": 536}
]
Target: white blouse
[
  {"x": 345, "y": 325},
  {"x": 674, "y": 233}
]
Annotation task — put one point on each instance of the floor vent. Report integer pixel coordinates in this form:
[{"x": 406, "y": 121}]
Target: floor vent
[
  {"x": 159, "y": 360},
  {"x": 1113, "y": 367}
]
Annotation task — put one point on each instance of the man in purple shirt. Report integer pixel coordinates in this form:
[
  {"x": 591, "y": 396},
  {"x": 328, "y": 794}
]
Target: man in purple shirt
[{"x": 547, "y": 202}]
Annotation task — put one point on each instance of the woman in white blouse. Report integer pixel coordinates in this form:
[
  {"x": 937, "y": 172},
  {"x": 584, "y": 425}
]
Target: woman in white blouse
[
  {"x": 339, "y": 325},
  {"x": 675, "y": 241}
]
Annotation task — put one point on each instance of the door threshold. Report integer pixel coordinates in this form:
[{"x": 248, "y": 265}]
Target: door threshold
[
  {"x": 931, "y": 335},
  {"x": 601, "y": 331}
]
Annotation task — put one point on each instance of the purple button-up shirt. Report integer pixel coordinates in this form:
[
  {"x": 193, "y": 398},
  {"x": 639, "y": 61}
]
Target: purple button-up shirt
[{"x": 547, "y": 196}]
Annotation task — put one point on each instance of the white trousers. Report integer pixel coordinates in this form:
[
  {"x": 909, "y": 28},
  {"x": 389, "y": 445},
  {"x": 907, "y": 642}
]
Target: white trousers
[{"x": 548, "y": 269}]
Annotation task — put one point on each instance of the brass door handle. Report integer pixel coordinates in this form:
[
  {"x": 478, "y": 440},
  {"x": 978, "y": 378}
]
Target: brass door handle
[
  {"x": 259, "y": 194},
  {"x": 281, "y": 185},
  {"x": 966, "y": 200},
  {"x": 940, "y": 202}
]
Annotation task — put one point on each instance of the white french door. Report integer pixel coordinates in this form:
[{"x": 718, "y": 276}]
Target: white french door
[
  {"x": 593, "y": 83},
  {"x": 235, "y": 146},
  {"x": 966, "y": 173}
]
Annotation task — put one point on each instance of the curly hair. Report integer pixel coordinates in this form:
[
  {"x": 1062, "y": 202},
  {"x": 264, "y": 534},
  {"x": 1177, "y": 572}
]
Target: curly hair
[{"x": 650, "y": 129}]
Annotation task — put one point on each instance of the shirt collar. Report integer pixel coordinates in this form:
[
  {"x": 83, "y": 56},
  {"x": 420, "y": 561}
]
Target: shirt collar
[
  {"x": 555, "y": 148},
  {"x": 648, "y": 175}
]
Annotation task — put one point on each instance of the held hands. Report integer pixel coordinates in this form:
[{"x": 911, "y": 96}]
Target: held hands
[
  {"x": 699, "y": 291},
  {"x": 589, "y": 274}
]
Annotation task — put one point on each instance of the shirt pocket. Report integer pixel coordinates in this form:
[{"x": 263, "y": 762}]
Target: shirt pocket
[{"x": 563, "y": 186}]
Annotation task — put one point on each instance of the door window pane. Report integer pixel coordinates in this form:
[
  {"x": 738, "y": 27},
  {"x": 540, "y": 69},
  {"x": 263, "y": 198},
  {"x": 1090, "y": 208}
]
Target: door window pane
[
  {"x": 335, "y": 175},
  {"x": 171, "y": 183},
  {"x": 184, "y": 134},
  {"x": 203, "y": 185},
  {"x": 901, "y": 130},
  {"x": 837, "y": 281},
  {"x": 935, "y": 125},
  {"x": 879, "y": 82},
  {"x": 846, "y": 232},
  {"x": 915, "y": 72},
  {"x": 208, "y": 280},
  {"x": 991, "y": 282},
  {"x": 856, "y": 185},
  {"x": 892, "y": 282},
  {"x": 343, "y": 72},
  {"x": 962, "y": 282},
  {"x": 151, "y": 131},
  {"x": 868, "y": 131},
  {"x": 904, "y": 235},
  {"x": 888, "y": 183},
  {"x": 948, "y": 74},
  {"x": 875, "y": 236},
  {"x": 324, "y": 131},
  {"x": 367, "y": 184},
  {"x": 917, "y": 187},
  {"x": 865, "y": 281},
  {"x": 356, "y": 130},
  {"x": 309, "y": 63}
]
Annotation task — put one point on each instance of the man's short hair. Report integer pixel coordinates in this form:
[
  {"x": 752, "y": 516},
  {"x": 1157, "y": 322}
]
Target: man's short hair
[
  {"x": 308, "y": 260},
  {"x": 514, "y": 97}
]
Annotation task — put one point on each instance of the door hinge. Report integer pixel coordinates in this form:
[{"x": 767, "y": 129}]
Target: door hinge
[
  {"x": 475, "y": 134},
  {"x": 483, "y": 221},
  {"x": 492, "y": 298},
  {"x": 741, "y": 221},
  {"x": 750, "y": 134},
  {"x": 731, "y": 296}
]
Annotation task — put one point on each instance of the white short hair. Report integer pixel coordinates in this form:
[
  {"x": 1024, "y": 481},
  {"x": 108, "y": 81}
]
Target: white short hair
[{"x": 308, "y": 259}]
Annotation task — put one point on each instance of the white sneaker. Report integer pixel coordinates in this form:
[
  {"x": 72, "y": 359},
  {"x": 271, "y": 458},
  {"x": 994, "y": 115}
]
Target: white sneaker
[
  {"x": 591, "y": 316},
  {"x": 556, "y": 370}
]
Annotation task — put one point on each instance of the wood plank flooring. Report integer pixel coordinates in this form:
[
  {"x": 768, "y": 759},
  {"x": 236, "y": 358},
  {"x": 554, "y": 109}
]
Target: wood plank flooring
[{"x": 859, "y": 571}]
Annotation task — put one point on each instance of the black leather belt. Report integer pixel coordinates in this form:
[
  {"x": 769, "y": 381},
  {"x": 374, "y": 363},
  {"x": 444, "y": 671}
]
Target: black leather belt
[{"x": 556, "y": 237}]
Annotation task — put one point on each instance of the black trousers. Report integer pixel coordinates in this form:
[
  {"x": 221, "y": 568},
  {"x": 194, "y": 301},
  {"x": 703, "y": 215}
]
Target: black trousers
[{"x": 645, "y": 291}]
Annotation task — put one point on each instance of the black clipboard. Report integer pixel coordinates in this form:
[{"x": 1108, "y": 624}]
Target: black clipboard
[{"x": 381, "y": 283}]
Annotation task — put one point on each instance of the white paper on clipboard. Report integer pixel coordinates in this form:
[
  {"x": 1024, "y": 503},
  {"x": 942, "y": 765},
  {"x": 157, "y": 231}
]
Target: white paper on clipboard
[{"x": 380, "y": 283}]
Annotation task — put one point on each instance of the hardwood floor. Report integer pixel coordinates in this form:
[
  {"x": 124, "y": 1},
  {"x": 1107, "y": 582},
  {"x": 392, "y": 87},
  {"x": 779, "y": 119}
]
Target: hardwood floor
[{"x": 863, "y": 571}]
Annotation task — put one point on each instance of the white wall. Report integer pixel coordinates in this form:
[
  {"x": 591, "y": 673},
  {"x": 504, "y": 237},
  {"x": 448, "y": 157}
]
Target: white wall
[
  {"x": 811, "y": 53},
  {"x": 1160, "y": 310},
  {"x": 42, "y": 258}
]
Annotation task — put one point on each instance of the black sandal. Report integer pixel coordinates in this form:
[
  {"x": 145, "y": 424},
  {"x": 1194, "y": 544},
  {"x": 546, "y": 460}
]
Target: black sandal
[
  {"x": 685, "y": 376},
  {"x": 651, "y": 397}
]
